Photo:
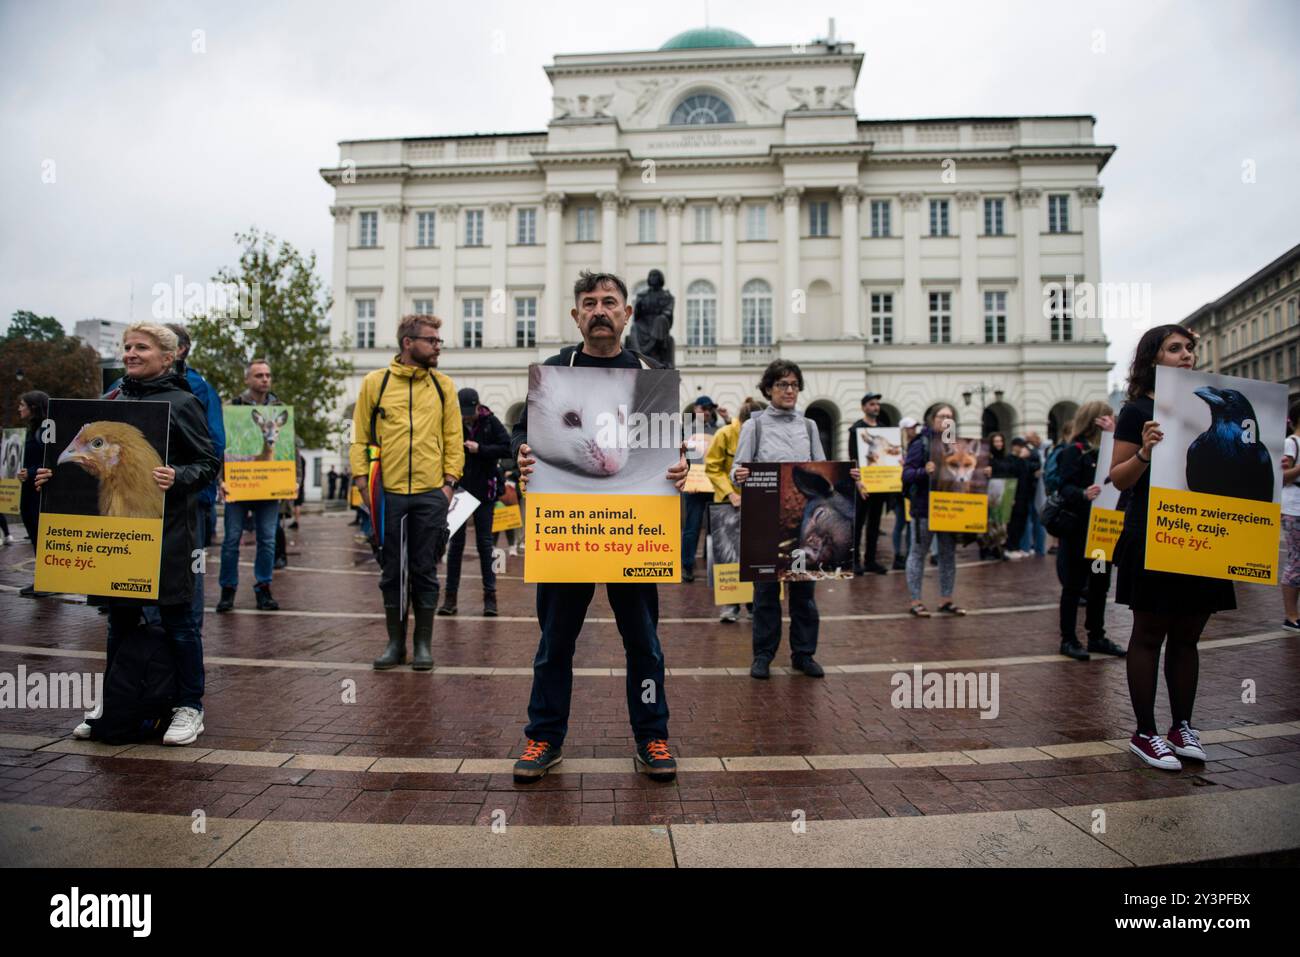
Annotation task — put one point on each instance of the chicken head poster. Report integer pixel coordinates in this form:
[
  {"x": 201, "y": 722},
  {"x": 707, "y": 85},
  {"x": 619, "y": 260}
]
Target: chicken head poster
[
  {"x": 959, "y": 486},
  {"x": 1216, "y": 476},
  {"x": 260, "y": 453},
  {"x": 599, "y": 505},
  {"x": 101, "y": 523}
]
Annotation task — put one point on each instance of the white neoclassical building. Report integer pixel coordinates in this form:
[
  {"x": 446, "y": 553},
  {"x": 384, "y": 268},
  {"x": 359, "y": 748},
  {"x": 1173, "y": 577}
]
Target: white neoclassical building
[{"x": 919, "y": 258}]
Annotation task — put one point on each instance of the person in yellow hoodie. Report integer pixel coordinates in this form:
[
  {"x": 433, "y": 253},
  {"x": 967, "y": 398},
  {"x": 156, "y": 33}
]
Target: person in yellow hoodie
[
  {"x": 409, "y": 410},
  {"x": 717, "y": 466}
]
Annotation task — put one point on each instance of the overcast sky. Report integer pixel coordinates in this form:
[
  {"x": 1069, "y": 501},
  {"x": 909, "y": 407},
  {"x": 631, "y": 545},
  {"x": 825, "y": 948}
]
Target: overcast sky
[{"x": 160, "y": 154}]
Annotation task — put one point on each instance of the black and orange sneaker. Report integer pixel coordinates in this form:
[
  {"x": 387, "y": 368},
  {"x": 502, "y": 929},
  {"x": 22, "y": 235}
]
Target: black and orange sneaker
[
  {"x": 657, "y": 760},
  {"x": 538, "y": 758}
]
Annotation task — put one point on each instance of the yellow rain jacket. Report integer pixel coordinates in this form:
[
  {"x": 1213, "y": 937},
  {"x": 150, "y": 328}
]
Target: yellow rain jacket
[
  {"x": 718, "y": 459},
  {"x": 420, "y": 435}
]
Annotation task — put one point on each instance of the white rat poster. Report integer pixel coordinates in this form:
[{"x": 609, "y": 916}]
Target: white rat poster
[
  {"x": 1216, "y": 476},
  {"x": 599, "y": 506}
]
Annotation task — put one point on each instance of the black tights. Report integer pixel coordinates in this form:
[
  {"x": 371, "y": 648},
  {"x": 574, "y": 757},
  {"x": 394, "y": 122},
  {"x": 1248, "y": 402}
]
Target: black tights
[{"x": 1182, "y": 665}]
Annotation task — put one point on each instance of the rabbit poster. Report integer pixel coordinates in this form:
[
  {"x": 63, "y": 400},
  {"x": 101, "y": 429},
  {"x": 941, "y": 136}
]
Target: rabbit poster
[
  {"x": 11, "y": 462},
  {"x": 101, "y": 523},
  {"x": 796, "y": 522},
  {"x": 261, "y": 458},
  {"x": 1216, "y": 477},
  {"x": 599, "y": 506},
  {"x": 880, "y": 457}
]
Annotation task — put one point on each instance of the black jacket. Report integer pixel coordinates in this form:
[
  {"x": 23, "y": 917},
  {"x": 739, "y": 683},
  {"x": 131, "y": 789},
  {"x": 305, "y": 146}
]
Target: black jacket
[
  {"x": 190, "y": 453},
  {"x": 1077, "y": 468},
  {"x": 481, "y": 466}
]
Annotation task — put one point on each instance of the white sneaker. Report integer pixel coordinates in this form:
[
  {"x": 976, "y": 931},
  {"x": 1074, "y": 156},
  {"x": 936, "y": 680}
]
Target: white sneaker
[
  {"x": 513, "y": 550},
  {"x": 186, "y": 726},
  {"x": 82, "y": 731},
  {"x": 9, "y": 539}
]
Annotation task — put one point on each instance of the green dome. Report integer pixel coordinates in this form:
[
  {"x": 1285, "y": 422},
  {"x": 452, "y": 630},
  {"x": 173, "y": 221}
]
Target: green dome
[{"x": 706, "y": 37}]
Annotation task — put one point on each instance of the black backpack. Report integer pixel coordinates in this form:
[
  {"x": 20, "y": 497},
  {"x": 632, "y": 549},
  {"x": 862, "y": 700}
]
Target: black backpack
[{"x": 139, "y": 688}]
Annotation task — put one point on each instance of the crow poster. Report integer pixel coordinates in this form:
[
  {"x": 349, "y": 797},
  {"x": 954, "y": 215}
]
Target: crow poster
[
  {"x": 101, "y": 521},
  {"x": 1216, "y": 476}
]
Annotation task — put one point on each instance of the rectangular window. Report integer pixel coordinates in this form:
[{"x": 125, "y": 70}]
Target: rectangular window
[
  {"x": 704, "y": 224},
  {"x": 473, "y": 324},
  {"x": 423, "y": 307},
  {"x": 756, "y": 222},
  {"x": 819, "y": 219},
  {"x": 995, "y": 317},
  {"x": 1062, "y": 315},
  {"x": 941, "y": 317},
  {"x": 756, "y": 320},
  {"x": 473, "y": 227},
  {"x": 1254, "y": 330},
  {"x": 1291, "y": 361},
  {"x": 1277, "y": 318},
  {"x": 1058, "y": 213},
  {"x": 526, "y": 226},
  {"x": 365, "y": 324},
  {"x": 586, "y": 221},
  {"x": 882, "y": 317},
  {"x": 879, "y": 218},
  {"x": 646, "y": 223},
  {"x": 526, "y": 322},
  {"x": 701, "y": 320},
  {"x": 369, "y": 229},
  {"x": 939, "y": 217},
  {"x": 993, "y": 217},
  {"x": 1290, "y": 313},
  {"x": 1254, "y": 369},
  {"x": 424, "y": 228}
]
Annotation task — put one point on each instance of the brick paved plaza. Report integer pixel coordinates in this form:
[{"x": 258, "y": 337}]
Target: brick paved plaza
[{"x": 309, "y": 755}]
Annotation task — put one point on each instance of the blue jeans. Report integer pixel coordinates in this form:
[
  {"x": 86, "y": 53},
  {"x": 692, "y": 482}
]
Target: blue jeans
[
  {"x": 264, "y": 521},
  {"x": 901, "y": 538},
  {"x": 697, "y": 503},
  {"x": 178, "y": 622},
  {"x": 1035, "y": 536}
]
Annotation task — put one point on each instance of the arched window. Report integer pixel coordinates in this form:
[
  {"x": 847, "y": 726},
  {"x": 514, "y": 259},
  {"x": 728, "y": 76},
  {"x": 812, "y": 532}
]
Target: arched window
[
  {"x": 756, "y": 313},
  {"x": 701, "y": 314},
  {"x": 701, "y": 109}
]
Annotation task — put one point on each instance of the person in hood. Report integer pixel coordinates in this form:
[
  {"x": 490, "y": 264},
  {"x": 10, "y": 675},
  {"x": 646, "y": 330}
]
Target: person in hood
[{"x": 149, "y": 356}]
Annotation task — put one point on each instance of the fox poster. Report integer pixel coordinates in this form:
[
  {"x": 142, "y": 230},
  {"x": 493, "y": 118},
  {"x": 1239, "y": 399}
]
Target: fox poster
[
  {"x": 959, "y": 486},
  {"x": 261, "y": 459},
  {"x": 1216, "y": 476},
  {"x": 101, "y": 523}
]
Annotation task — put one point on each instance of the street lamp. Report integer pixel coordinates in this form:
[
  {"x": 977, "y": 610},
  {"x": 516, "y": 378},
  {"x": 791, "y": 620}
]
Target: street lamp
[{"x": 983, "y": 391}]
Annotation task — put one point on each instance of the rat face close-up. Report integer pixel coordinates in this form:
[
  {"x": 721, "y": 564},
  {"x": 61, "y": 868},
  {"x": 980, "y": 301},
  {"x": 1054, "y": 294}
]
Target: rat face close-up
[{"x": 566, "y": 428}]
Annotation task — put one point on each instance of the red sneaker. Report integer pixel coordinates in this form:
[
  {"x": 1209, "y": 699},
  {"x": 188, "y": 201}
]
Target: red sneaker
[
  {"x": 1155, "y": 751},
  {"x": 1186, "y": 742}
]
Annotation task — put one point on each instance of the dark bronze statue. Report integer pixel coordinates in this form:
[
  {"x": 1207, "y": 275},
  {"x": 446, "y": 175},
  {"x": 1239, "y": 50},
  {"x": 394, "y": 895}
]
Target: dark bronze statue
[{"x": 652, "y": 322}]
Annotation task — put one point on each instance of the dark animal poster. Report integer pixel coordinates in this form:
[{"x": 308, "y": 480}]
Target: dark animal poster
[
  {"x": 723, "y": 546},
  {"x": 1216, "y": 476},
  {"x": 796, "y": 522},
  {"x": 101, "y": 522}
]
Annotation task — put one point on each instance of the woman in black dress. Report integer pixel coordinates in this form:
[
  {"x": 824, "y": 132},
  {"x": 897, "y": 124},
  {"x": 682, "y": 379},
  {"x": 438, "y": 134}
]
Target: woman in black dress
[{"x": 1164, "y": 605}]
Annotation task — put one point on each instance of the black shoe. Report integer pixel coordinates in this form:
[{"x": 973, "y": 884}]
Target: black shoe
[
  {"x": 899, "y": 565},
  {"x": 1072, "y": 649},
  {"x": 293, "y": 524},
  {"x": 858, "y": 570},
  {"x": 1083, "y": 601},
  {"x": 934, "y": 560},
  {"x": 657, "y": 760},
  {"x": 688, "y": 575},
  {"x": 227, "y": 600},
  {"x": 395, "y": 653},
  {"x": 422, "y": 640},
  {"x": 489, "y": 604},
  {"x": 876, "y": 568},
  {"x": 808, "y": 666},
  {"x": 1104, "y": 646},
  {"x": 538, "y": 758},
  {"x": 448, "y": 604},
  {"x": 761, "y": 668},
  {"x": 264, "y": 600},
  {"x": 280, "y": 563}
]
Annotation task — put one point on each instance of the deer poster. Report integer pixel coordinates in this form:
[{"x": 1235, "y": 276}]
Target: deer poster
[
  {"x": 101, "y": 524},
  {"x": 261, "y": 460}
]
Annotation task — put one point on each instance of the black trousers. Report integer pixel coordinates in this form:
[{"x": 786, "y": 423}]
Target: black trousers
[
  {"x": 561, "y": 611},
  {"x": 869, "y": 513},
  {"x": 1077, "y": 578},
  {"x": 426, "y": 538},
  {"x": 803, "y": 619},
  {"x": 482, "y": 521}
]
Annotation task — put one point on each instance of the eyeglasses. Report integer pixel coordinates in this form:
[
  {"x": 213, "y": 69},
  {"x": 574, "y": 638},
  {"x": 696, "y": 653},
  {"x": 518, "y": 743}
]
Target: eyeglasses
[
  {"x": 431, "y": 340},
  {"x": 786, "y": 386}
]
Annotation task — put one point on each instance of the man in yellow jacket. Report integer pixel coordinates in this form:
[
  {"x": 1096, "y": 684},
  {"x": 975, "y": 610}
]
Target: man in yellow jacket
[{"x": 409, "y": 410}]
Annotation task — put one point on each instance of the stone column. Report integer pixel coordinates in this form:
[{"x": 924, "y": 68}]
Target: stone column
[
  {"x": 1032, "y": 323},
  {"x": 339, "y": 314},
  {"x": 625, "y": 234},
  {"x": 968, "y": 324},
  {"x": 850, "y": 263},
  {"x": 791, "y": 319},
  {"x": 445, "y": 304},
  {"x": 497, "y": 312},
  {"x": 553, "y": 297},
  {"x": 1089, "y": 197},
  {"x": 391, "y": 303},
  {"x": 914, "y": 325},
  {"x": 673, "y": 206},
  {"x": 608, "y": 231},
  {"x": 728, "y": 296}
]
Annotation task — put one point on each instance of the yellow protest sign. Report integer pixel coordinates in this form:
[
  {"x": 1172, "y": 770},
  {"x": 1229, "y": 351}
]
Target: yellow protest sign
[
  {"x": 95, "y": 555},
  {"x": 697, "y": 480},
  {"x": 880, "y": 459},
  {"x": 1213, "y": 536},
  {"x": 11, "y": 461},
  {"x": 1104, "y": 527},
  {"x": 260, "y": 455},
  {"x": 623, "y": 538},
  {"x": 728, "y": 589},
  {"x": 958, "y": 512},
  {"x": 354, "y": 499},
  {"x": 505, "y": 517}
]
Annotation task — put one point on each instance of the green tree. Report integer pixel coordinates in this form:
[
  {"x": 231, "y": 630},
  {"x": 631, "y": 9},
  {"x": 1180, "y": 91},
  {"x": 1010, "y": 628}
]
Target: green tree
[
  {"x": 66, "y": 368},
  {"x": 283, "y": 316},
  {"x": 28, "y": 325}
]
